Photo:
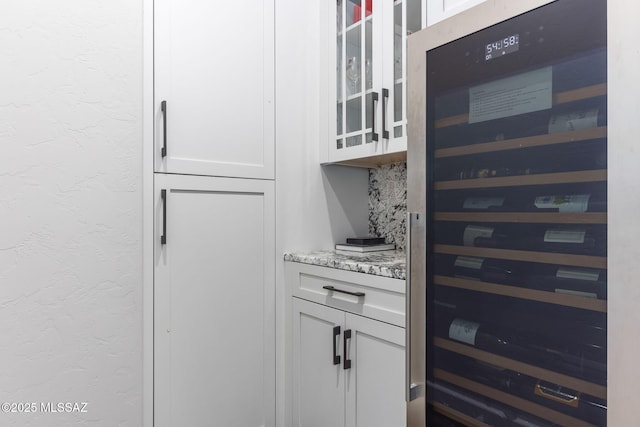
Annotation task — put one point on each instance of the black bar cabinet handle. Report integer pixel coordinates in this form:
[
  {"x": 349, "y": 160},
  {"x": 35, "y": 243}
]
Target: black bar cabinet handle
[
  {"x": 163, "y": 238},
  {"x": 347, "y": 361},
  {"x": 334, "y": 289},
  {"x": 385, "y": 99},
  {"x": 336, "y": 356},
  {"x": 163, "y": 107},
  {"x": 374, "y": 100}
]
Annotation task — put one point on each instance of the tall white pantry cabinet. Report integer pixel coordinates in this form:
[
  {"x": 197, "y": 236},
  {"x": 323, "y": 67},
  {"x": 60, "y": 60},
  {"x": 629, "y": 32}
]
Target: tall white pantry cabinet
[{"x": 214, "y": 214}]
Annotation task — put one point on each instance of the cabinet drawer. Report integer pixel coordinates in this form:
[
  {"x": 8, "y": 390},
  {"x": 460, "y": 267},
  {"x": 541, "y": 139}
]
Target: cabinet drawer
[{"x": 377, "y": 297}]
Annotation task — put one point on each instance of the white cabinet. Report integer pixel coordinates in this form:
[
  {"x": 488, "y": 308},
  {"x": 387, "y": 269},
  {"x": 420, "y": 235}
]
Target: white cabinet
[
  {"x": 368, "y": 76},
  {"x": 375, "y": 382},
  {"x": 214, "y": 88},
  {"x": 318, "y": 378},
  {"x": 437, "y": 10},
  {"x": 348, "y": 368},
  {"x": 214, "y": 299}
]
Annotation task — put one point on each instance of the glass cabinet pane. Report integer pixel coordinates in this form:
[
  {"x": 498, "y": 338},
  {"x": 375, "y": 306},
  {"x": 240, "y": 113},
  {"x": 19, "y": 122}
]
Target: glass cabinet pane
[
  {"x": 353, "y": 63},
  {"x": 355, "y": 70},
  {"x": 354, "y": 114},
  {"x": 368, "y": 61},
  {"x": 339, "y": 74}
]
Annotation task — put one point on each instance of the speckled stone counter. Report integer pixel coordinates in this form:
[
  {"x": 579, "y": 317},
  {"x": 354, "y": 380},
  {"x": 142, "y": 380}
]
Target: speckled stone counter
[{"x": 384, "y": 263}]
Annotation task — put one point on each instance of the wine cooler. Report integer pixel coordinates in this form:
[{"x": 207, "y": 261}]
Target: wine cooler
[{"x": 507, "y": 162}]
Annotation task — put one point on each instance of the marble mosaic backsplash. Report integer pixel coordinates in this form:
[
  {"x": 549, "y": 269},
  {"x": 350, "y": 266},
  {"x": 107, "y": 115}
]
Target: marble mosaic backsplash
[{"x": 388, "y": 203}]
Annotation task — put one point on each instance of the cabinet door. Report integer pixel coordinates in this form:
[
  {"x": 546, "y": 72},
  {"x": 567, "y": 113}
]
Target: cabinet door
[
  {"x": 318, "y": 379},
  {"x": 375, "y": 383},
  {"x": 358, "y": 78},
  {"x": 214, "y": 72},
  {"x": 401, "y": 18},
  {"x": 214, "y": 301},
  {"x": 370, "y": 76}
]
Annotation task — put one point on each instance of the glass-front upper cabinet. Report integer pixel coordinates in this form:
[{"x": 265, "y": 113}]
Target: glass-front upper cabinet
[{"x": 370, "y": 76}]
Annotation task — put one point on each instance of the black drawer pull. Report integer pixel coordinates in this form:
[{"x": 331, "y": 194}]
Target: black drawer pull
[
  {"x": 336, "y": 356},
  {"x": 385, "y": 100},
  {"x": 163, "y": 108},
  {"x": 334, "y": 289},
  {"x": 374, "y": 101},
  {"x": 163, "y": 196},
  {"x": 347, "y": 361}
]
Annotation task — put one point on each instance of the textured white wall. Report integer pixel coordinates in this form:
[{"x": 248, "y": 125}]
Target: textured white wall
[{"x": 70, "y": 209}]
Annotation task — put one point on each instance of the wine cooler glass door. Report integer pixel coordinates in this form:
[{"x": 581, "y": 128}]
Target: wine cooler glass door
[{"x": 516, "y": 262}]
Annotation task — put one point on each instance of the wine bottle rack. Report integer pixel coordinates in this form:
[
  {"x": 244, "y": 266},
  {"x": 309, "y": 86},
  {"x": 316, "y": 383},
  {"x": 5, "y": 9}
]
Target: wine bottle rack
[
  {"x": 524, "y": 217},
  {"x": 578, "y": 384},
  {"x": 517, "y": 226},
  {"x": 522, "y": 180},
  {"x": 523, "y": 293},
  {"x": 520, "y": 291},
  {"x": 511, "y": 400},
  {"x": 522, "y": 143},
  {"x": 458, "y": 416},
  {"x": 587, "y": 261}
]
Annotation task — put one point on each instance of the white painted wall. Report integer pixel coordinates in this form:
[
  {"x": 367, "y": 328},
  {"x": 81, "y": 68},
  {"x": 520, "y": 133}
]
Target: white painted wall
[
  {"x": 315, "y": 206},
  {"x": 70, "y": 209}
]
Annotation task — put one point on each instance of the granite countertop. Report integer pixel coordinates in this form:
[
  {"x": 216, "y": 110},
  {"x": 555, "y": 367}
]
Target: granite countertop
[{"x": 384, "y": 263}]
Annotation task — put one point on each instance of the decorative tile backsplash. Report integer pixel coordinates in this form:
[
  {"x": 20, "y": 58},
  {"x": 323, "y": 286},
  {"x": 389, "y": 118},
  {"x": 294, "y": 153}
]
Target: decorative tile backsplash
[{"x": 388, "y": 203}]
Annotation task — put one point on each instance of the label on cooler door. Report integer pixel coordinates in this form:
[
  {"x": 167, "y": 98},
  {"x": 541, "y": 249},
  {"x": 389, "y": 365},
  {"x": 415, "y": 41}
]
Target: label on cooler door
[
  {"x": 564, "y": 236},
  {"x": 473, "y": 231},
  {"x": 578, "y": 274},
  {"x": 577, "y": 120},
  {"x": 468, "y": 262},
  {"x": 482, "y": 202},
  {"x": 463, "y": 331},
  {"x": 511, "y": 96},
  {"x": 571, "y": 203}
]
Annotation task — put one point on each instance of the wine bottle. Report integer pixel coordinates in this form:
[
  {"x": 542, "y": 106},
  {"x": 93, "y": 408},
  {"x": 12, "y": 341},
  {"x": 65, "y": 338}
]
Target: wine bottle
[
  {"x": 499, "y": 340},
  {"x": 585, "y": 118},
  {"x": 585, "y": 282},
  {"x": 487, "y": 270},
  {"x": 569, "y": 239},
  {"x": 568, "y": 203},
  {"x": 550, "y": 328},
  {"x": 575, "y": 239},
  {"x": 475, "y": 406},
  {"x": 480, "y": 171},
  {"x": 518, "y": 201},
  {"x": 562, "y": 399}
]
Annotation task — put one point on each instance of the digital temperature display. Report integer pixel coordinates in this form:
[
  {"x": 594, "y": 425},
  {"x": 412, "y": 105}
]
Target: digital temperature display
[{"x": 502, "y": 47}]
